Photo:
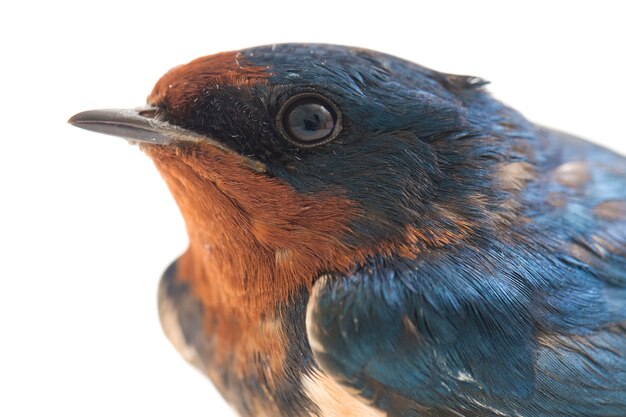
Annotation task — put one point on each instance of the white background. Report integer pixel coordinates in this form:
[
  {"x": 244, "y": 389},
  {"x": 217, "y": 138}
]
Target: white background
[{"x": 86, "y": 223}]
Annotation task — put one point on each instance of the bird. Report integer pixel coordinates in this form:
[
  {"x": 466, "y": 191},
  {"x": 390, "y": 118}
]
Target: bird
[{"x": 370, "y": 237}]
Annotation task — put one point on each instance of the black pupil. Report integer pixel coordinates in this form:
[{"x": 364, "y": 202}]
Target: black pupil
[{"x": 309, "y": 121}]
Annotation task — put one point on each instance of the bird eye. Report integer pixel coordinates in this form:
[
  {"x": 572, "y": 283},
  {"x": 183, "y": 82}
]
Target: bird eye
[{"x": 309, "y": 120}]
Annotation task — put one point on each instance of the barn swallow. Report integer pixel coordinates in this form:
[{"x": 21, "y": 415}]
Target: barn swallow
[{"x": 369, "y": 237}]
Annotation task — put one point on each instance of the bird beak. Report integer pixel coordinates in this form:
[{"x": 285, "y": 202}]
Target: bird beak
[{"x": 143, "y": 125}]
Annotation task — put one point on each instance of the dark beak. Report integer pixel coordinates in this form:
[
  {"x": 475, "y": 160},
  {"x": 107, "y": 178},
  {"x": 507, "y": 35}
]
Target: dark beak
[
  {"x": 143, "y": 125},
  {"x": 137, "y": 125}
]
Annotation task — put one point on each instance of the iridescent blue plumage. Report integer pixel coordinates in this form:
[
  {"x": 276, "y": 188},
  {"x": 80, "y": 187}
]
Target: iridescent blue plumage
[
  {"x": 529, "y": 322},
  {"x": 511, "y": 300},
  {"x": 526, "y": 316},
  {"x": 453, "y": 259}
]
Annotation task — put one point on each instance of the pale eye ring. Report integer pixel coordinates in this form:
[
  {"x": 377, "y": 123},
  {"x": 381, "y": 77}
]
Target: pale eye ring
[{"x": 308, "y": 120}]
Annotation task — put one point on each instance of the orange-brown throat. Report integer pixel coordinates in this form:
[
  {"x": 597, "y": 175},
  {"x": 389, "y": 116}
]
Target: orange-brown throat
[
  {"x": 253, "y": 243},
  {"x": 252, "y": 239}
]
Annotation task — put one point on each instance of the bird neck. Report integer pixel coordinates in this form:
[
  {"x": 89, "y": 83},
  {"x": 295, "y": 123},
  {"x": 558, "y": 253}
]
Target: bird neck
[{"x": 253, "y": 239}]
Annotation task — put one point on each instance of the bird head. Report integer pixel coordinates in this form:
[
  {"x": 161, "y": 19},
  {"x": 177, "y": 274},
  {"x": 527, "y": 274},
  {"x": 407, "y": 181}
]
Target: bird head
[{"x": 296, "y": 159}]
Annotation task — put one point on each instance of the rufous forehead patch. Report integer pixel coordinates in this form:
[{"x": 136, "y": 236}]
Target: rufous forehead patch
[{"x": 182, "y": 84}]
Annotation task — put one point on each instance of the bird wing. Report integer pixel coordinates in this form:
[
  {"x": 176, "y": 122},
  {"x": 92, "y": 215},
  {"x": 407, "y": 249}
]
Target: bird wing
[
  {"x": 535, "y": 327},
  {"x": 182, "y": 318}
]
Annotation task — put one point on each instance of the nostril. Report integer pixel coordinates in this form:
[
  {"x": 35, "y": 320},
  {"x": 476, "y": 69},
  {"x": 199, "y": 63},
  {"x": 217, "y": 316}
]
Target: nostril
[{"x": 149, "y": 113}]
